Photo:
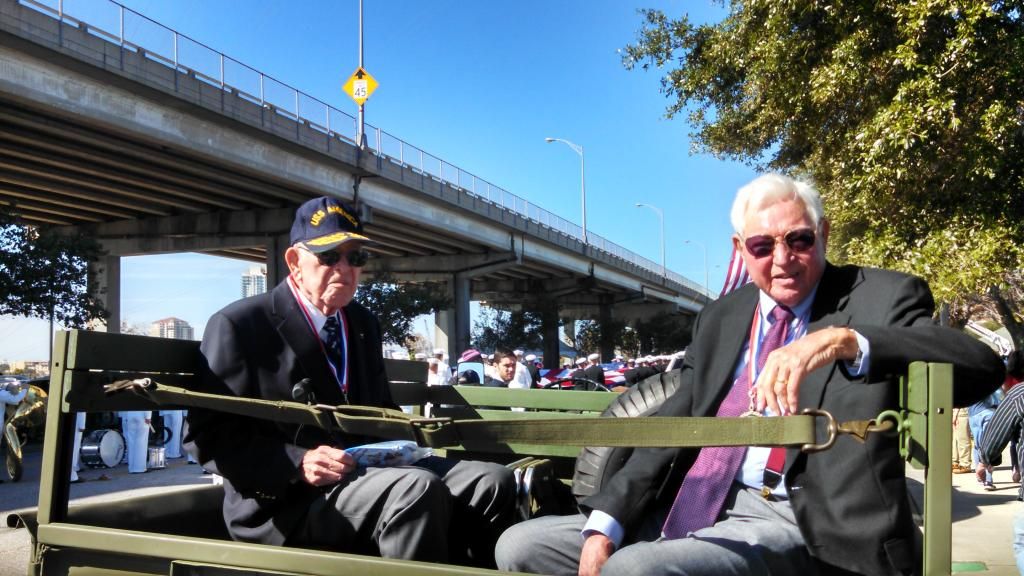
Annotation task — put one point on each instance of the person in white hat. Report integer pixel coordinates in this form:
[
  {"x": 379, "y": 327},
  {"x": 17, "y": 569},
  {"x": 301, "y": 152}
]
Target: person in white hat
[
  {"x": 442, "y": 367},
  {"x": 522, "y": 377},
  {"x": 531, "y": 366},
  {"x": 594, "y": 371}
]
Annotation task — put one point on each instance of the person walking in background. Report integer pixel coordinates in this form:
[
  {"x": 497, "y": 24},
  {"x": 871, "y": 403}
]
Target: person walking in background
[
  {"x": 1014, "y": 375},
  {"x": 534, "y": 370},
  {"x": 76, "y": 464},
  {"x": 594, "y": 371},
  {"x": 961, "y": 442},
  {"x": 173, "y": 421},
  {"x": 979, "y": 415},
  {"x": 135, "y": 425},
  {"x": 522, "y": 378},
  {"x": 1006, "y": 426}
]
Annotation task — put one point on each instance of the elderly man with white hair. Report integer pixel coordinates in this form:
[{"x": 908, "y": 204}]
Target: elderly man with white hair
[
  {"x": 293, "y": 485},
  {"x": 804, "y": 333}
]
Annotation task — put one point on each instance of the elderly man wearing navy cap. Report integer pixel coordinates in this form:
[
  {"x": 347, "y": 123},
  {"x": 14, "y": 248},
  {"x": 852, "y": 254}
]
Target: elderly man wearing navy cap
[{"x": 296, "y": 485}]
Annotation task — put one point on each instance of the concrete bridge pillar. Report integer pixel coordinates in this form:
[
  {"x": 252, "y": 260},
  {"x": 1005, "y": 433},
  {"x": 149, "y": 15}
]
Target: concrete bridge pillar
[
  {"x": 549, "y": 329},
  {"x": 607, "y": 342},
  {"x": 107, "y": 274},
  {"x": 461, "y": 283},
  {"x": 445, "y": 325},
  {"x": 277, "y": 270}
]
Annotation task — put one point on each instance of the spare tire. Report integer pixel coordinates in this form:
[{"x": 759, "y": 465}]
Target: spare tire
[{"x": 595, "y": 465}]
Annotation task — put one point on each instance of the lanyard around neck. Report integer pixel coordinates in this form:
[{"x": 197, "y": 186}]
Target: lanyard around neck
[{"x": 340, "y": 375}]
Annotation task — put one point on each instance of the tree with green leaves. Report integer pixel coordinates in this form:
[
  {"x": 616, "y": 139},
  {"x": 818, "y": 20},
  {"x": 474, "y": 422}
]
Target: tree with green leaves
[
  {"x": 398, "y": 305},
  {"x": 45, "y": 275},
  {"x": 658, "y": 335},
  {"x": 907, "y": 116},
  {"x": 516, "y": 329}
]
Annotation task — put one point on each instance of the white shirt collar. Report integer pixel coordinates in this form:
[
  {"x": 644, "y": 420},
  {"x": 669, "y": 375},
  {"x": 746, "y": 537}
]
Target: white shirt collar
[
  {"x": 800, "y": 312},
  {"x": 315, "y": 315}
]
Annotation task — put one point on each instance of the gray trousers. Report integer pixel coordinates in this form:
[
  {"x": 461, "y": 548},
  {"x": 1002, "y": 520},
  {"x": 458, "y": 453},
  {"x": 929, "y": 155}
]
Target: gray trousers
[
  {"x": 438, "y": 510},
  {"x": 752, "y": 536}
]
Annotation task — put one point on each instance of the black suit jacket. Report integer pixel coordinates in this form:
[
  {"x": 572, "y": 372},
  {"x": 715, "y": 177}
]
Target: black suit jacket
[
  {"x": 850, "y": 501},
  {"x": 259, "y": 347},
  {"x": 595, "y": 373}
]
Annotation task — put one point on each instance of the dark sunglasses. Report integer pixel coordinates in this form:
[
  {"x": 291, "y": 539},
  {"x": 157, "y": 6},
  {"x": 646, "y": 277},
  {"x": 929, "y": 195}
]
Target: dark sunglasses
[
  {"x": 356, "y": 258},
  {"x": 799, "y": 240}
]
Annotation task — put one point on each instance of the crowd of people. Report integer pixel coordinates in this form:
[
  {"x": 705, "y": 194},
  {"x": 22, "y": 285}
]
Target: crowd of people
[
  {"x": 803, "y": 334},
  {"x": 531, "y": 373}
]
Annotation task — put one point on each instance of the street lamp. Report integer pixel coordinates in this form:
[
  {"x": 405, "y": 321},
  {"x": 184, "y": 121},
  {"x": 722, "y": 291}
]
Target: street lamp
[
  {"x": 583, "y": 180},
  {"x": 661, "y": 218},
  {"x": 705, "y": 249}
]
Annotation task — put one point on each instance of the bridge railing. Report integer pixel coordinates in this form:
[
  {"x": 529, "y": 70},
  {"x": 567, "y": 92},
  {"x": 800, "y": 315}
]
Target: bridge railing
[{"x": 130, "y": 30}]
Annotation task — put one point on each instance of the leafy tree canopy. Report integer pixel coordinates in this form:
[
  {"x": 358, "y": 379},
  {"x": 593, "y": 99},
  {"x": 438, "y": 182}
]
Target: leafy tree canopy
[
  {"x": 658, "y": 335},
  {"x": 908, "y": 117},
  {"x": 398, "y": 305},
  {"x": 42, "y": 273},
  {"x": 518, "y": 329}
]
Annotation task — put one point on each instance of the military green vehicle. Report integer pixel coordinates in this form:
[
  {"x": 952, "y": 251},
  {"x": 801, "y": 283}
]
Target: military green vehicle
[{"x": 181, "y": 532}]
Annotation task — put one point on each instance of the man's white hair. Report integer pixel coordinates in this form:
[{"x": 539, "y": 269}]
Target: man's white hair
[{"x": 771, "y": 188}]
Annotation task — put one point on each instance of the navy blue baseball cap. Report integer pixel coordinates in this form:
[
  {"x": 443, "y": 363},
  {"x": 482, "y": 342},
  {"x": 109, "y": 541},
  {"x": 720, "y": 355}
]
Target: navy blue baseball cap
[{"x": 323, "y": 224}]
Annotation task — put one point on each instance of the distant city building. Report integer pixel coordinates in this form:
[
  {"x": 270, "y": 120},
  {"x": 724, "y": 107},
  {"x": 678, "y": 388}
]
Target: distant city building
[
  {"x": 172, "y": 328},
  {"x": 30, "y": 368},
  {"x": 254, "y": 281}
]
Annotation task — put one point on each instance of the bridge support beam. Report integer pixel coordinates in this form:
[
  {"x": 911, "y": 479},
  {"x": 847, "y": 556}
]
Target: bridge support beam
[
  {"x": 277, "y": 270},
  {"x": 107, "y": 274},
  {"x": 549, "y": 330},
  {"x": 461, "y": 308},
  {"x": 607, "y": 342}
]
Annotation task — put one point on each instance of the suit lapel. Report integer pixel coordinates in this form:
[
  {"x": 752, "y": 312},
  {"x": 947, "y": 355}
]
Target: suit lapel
[
  {"x": 829, "y": 309},
  {"x": 732, "y": 332},
  {"x": 295, "y": 331}
]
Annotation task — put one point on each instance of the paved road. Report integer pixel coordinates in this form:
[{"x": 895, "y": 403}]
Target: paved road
[
  {"x": 982, "y": 521},
  {"x": 98, "y": 485}
]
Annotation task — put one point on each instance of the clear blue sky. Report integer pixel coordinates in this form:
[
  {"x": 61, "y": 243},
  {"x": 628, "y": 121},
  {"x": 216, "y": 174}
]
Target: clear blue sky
[{"x": 480, "y": 85}]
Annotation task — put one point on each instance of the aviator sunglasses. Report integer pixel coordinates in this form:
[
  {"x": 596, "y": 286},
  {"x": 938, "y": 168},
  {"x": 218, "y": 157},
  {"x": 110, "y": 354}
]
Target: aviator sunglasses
[
  {"x": 799, "y": 240},
  {"x": 356, "y": 258}
]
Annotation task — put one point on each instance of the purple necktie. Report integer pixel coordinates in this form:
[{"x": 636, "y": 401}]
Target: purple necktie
[{"x": 707, "y": 483}]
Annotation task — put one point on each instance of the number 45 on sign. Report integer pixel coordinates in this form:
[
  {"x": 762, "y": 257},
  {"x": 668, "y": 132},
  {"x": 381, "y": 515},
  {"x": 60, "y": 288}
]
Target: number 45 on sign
[{"x": 360, "y": 85}]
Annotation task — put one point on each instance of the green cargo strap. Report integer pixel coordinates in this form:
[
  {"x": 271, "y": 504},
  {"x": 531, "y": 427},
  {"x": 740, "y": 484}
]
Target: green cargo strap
[
  {"x": 442, "y": 432},
  {"x": 357, "y": 420}
]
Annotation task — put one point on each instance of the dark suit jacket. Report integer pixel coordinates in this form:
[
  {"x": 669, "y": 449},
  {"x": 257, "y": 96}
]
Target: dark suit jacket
[
  {"x": 850, "y": 501},
  {"x": 595, "y": 373},
  {"x": 259, "y": 347}
]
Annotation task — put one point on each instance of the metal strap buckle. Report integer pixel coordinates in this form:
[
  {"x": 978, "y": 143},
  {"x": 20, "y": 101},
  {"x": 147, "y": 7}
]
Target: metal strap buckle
[{"x": 830, "y": 426}]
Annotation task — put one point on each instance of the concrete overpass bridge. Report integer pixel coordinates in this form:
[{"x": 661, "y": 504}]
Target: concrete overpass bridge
[{"x": 152, "y": 152}]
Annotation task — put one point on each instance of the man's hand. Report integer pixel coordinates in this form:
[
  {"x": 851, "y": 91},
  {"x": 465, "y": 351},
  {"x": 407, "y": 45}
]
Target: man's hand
[
  {"x": 597, "y": 548},
  {"x": 778, "y": 385},
  {"x": 325, "y": 465}
]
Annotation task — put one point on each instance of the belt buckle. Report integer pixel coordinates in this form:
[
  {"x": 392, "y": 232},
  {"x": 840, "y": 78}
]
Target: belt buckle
[{"x": 766, "y": 493}]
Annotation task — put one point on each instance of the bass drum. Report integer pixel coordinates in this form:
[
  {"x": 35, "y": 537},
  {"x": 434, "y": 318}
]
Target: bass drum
[
  {"x": 595, "y": 465},
  {"x": 102, "y": 449}
]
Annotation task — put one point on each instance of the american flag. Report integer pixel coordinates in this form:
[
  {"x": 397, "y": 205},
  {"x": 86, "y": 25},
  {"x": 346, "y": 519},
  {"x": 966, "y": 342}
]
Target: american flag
[{"x": 737, "y": 274}]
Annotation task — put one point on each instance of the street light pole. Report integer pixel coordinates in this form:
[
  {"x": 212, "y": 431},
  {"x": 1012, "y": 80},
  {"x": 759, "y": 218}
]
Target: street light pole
[
  {"x": 661, "y": 218},
  {"x": 705, "y": 250},
  {"x": 583, "y": 179},
  {"x": 361, "y": 118}
]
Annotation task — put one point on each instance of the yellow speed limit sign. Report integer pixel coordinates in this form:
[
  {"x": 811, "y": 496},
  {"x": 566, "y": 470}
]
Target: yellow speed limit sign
[{"x": 360, "y": 85}]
